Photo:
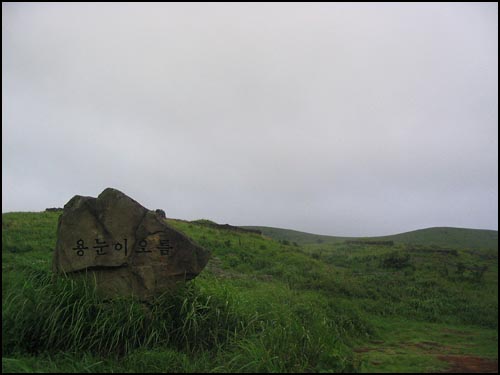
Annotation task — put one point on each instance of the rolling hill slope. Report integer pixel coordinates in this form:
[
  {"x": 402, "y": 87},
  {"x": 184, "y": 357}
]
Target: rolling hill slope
[
  {"x": 438, "y": 236},
  {"x": 260, "y": 305}
]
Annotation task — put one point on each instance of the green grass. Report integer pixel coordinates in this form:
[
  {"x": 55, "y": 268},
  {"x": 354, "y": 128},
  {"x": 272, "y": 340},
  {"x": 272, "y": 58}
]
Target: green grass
[
  {"x": 259, "y": 306},
  {"x": 440, "y": 236}
]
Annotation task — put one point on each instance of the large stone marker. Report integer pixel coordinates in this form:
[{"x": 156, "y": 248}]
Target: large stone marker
[{"x": 122, "y": 246}]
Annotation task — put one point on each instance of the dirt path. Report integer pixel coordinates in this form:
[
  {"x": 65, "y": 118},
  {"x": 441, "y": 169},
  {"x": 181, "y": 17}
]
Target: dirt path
[
  {"x": 469, "y": 364},
  {"x": 457, "y": 363}
]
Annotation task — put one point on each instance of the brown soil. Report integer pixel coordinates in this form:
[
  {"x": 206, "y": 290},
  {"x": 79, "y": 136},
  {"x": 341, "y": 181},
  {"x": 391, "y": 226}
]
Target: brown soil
[
  {"x": 469, "y": 364},
  {"x": 363, "y": 350},
  {"x": 431, "y": 347},
  {"x": 456, "y": 332},
  {"x": 457, "y": 363}
]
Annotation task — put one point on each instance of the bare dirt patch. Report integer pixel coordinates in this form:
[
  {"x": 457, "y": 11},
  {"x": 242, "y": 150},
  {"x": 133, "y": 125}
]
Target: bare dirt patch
[
  {"x": 431, "y": 347},
  {"x": 363, "y": 350},
  {"x": 469, "y": 364},
  {"x": 456, "y": 332}
]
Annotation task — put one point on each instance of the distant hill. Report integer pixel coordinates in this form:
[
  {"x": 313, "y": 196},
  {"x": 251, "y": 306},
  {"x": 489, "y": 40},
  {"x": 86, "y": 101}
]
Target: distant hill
[{"x": 438, "y": 236}]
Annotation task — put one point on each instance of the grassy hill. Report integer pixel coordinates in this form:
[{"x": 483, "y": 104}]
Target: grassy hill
[
  {"x": 439, "y": 236},
  {"x": 298, "y": 237},
  {"x": 260, "y": 305}
]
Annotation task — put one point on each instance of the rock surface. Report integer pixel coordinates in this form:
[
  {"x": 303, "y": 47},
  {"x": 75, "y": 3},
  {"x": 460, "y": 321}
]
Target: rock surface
[
  {"x": 122, "y": 246},
  {"x": 161, "y": 213}
]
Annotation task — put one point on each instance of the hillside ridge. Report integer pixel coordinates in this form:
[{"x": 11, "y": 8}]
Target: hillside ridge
[{"x": 437, "y": 236}]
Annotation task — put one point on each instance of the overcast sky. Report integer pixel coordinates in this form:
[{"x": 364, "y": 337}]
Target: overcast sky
[{"x": 342, "y": 119}]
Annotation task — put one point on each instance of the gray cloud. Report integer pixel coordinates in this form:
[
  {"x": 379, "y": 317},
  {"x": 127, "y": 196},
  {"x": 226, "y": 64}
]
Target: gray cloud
[{"x": 348, "y": 119}]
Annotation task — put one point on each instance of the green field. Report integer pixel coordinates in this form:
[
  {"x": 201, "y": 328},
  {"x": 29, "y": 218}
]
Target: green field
[{"x": 285, "y": 301}]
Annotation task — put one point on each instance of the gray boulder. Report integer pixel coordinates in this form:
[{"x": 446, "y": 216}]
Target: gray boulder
[
  {"x": 123, "y": 247},
  {"x": 161, "y": 213}
]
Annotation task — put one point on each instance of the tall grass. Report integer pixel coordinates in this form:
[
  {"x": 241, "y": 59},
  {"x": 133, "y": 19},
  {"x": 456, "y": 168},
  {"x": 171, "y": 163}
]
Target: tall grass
[
  {"x": 259, "y": 306},
  {"x": 239, "y": 331},
  {"x": 63, "y": 314},
  {"x": 55, "y": 315}
]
